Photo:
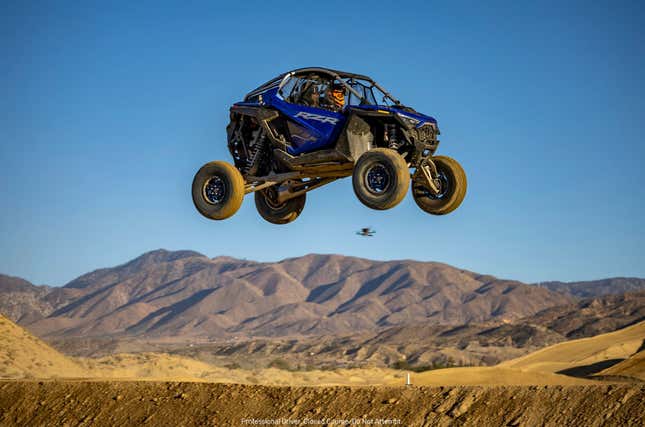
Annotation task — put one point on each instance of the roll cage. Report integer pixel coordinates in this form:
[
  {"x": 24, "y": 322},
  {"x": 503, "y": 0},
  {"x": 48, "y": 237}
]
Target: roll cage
[{"x": 359, "y": 86}]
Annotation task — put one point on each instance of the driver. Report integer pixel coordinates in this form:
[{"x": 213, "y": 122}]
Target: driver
[{"x": 335, "y": 96}]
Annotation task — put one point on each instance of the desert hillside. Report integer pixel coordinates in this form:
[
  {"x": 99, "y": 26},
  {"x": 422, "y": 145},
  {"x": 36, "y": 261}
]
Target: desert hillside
[
  {"x": 419, "y": 344},
  {"x": 573, "y": 362},
  {"x": 632, "y": 367},
  {"x": 583, "y": 353},
  {"x": 22, "y": 355}
]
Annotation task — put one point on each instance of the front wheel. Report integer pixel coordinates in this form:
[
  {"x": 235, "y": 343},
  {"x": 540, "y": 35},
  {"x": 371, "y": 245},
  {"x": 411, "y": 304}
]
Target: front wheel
[
  {"x": 452, "y": 188},
  {"x": 275, "y": 212},
  {"x": 380, "y": 178},
  {"x": 218, "y": 190}
]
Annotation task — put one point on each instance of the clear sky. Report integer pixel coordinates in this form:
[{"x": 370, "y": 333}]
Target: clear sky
[{"x": 108, "y": 109}]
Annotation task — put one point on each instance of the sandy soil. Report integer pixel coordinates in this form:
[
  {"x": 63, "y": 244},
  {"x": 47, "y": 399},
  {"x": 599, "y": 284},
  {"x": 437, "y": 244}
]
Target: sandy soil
[{"x": 125, "y": 403}]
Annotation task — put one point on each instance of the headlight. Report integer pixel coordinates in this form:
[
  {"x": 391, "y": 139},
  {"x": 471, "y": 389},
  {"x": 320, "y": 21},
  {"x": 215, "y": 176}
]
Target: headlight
[{"x": 409, "y": 120}]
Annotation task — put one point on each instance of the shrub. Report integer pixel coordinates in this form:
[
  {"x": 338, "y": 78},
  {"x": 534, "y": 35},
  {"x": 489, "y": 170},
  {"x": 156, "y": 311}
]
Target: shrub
[{"x": 279, "y": 364}]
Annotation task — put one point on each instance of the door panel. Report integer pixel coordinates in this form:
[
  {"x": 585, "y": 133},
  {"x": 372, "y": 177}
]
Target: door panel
[{"x": 310, "y": 128}]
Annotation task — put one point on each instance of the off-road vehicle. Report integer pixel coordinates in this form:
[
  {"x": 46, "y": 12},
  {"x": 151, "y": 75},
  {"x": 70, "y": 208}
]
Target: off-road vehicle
[{"x": 311, "y": 126}]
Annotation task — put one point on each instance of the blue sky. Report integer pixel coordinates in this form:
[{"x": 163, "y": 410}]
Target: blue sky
[{"x": 107, "y": 109}]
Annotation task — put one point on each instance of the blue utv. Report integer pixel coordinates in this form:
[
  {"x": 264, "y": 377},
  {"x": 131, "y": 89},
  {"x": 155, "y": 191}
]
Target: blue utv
[{"x": 311, "y": 126}]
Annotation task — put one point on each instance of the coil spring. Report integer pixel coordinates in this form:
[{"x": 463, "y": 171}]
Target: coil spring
[
  {"x": 392, "y": 137},
  {"x": 257, "y": 153}
]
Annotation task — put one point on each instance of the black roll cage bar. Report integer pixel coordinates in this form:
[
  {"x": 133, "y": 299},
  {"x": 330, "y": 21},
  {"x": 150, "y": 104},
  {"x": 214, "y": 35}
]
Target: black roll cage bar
[{"x": 282, "y": 79}]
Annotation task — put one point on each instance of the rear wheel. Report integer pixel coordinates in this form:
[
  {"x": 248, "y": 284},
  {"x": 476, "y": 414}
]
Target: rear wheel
[
  {"x": 451, "y": 192},
  {"x": 218, "y": 190},
  {"x": 275, "y": 212},
  {"x": 381, "y": 178}
]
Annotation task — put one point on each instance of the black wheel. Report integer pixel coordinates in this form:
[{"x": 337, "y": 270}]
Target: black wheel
[
  {"x": 381, "y": 178},
  {"x": 218, "y": 190},
  {"x": 451, "y": 192},
  {"x": 278, "y": 213}
]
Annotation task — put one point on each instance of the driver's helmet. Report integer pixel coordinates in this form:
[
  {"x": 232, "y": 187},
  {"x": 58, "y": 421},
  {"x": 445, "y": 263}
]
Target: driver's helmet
[{"x": 338, "y": 95}]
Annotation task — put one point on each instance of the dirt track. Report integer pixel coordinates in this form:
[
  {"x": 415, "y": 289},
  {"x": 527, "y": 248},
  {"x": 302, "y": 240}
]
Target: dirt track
[{"x": 124, "y": 403}]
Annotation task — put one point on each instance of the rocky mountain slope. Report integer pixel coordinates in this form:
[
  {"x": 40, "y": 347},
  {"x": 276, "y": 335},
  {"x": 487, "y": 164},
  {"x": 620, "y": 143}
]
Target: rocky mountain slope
[
  {"x": 185, "y": 294},
  {"x": 596, "y": 288},
  {"x": 422, "y": 344},
  {"x": 592, "y": 316},
  {"x": 22, "y": 301}
]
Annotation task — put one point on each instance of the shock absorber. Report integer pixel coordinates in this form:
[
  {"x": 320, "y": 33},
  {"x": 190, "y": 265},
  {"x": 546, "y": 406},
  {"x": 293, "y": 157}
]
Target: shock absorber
[
  {"x": 257, "y": 152},
  {"x": 391, "y": 133}
]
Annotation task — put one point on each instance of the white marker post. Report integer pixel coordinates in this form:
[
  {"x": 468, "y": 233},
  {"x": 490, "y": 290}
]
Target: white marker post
[{"x": 407, "y": 381}]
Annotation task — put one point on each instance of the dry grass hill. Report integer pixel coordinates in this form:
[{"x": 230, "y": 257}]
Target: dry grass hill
[
  {"x": 585, "y": 356},
  {"x": 632, "y": 367},
  {"x": 22, "y": 355},
  {"x": 571, "y": 362}
]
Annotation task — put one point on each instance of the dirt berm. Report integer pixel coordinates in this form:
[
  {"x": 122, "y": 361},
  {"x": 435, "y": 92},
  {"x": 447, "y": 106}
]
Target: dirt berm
[{"x": 124, "y": 403}]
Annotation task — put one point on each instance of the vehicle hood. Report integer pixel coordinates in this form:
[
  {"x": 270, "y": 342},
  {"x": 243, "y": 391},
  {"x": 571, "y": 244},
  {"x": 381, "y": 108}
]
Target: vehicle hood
[{"x": 406, "y": 111}]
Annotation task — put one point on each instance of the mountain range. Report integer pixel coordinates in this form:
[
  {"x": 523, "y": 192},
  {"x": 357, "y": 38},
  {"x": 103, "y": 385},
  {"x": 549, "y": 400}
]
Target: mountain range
[
  {"x": 595, "y": 288},
  {"x": 184, "y": 294}
]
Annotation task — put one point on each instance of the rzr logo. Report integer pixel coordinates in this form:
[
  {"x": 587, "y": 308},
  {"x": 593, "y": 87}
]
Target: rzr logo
[{"x": 318, "y": 117}]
